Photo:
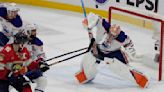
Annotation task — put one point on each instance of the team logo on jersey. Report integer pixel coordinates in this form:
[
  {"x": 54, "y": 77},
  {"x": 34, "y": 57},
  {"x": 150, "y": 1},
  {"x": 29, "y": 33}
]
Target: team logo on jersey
[
  {"x": 101, "y": 1},
  {"x": 8, "y": 49}
]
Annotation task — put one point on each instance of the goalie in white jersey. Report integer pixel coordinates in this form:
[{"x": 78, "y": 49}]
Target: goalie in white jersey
[
  {"x": 109, "y": 41},
  {"x": 110, "y": 45}
]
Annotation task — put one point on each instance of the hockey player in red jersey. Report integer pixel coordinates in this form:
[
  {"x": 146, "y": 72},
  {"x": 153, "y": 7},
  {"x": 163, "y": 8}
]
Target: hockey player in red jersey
[
  {"x": 12, "y": 57},
  {"x": 3, "y": 74}
]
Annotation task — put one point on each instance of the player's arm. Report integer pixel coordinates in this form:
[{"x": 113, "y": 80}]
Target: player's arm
[
  {"x": 97, "y": 27},
  {"x": 17, "y": 22},
  {"x": 3, "y": 12},
  {"x": 127, "y": 43},
  {"x": 89, "y": 24}
]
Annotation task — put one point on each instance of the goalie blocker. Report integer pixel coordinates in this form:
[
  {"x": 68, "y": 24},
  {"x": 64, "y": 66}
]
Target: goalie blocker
[{"x": 89, "y": 65}]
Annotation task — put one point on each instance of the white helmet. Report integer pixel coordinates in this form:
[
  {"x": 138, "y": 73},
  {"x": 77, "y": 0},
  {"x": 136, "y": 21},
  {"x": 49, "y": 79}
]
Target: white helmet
[
  {"x": 12, "y": 7},
  {"x": 29, "y": 27}
]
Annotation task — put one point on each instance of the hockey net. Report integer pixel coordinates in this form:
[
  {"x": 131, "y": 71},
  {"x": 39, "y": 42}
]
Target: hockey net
[{"x": 145, "y": 24}]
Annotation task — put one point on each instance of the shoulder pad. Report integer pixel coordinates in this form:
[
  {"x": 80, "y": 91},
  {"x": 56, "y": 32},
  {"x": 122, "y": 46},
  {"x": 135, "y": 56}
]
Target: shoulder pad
[
  {"x": 17, "y": 22},
  {"x": 106, "y": 25},
  {"x": 121, "y": 37},
  {"x": 3, "y": 12},
  {"x": 37, "y": 41},
  {"x": 3, "y": 39}
]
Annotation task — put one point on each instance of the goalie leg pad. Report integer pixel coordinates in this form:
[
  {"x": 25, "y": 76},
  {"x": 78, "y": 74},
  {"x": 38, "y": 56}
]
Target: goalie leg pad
[
  {"x": 128, "y": 73},
  {"x": 88, "y": 69},
  {"x": 81, "y": 77},
  {"x": 141, "y": 80}
]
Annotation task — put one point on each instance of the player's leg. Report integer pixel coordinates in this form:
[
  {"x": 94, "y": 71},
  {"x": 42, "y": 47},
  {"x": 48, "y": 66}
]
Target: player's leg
[
  {"x": 120, "y": 55},
  {"x": 121, "y": 67},
  {"x": 41, "y": 84},
  {"x": 4, "y": 86}
]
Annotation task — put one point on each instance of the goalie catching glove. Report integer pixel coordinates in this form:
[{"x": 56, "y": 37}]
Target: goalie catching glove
[
  {"x": 129, "y": 47},
  {"x": 130, "y": 50},
  {"x": 91, "y": 21}
]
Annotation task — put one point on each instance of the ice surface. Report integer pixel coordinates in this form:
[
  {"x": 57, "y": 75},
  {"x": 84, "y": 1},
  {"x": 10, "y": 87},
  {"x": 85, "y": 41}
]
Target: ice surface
[{"x": 61, "y": 32}]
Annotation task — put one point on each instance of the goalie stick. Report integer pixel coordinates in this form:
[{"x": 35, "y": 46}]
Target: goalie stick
[{"x": 84, "y": 11}]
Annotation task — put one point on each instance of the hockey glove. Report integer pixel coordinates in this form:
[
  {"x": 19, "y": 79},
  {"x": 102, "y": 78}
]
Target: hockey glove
[{"x": 43, "y": 66}]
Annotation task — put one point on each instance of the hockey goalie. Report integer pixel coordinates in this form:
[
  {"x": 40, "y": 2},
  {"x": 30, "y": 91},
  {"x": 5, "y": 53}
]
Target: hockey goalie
[{"x": 109, "y": 39}]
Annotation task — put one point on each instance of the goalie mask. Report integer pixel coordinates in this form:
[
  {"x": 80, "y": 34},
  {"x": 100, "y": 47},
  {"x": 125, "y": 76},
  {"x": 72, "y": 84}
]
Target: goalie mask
[{"x": 114, "y": 30}]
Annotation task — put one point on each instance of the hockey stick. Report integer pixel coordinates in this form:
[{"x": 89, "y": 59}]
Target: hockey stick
[
  {"x": 67, "y": 58},
  {"x": 65, "y": 54},
  {"x": 85, "y": 16},
  {"x": 89, "y": 48},
  {"x": 84, "y": 11}
]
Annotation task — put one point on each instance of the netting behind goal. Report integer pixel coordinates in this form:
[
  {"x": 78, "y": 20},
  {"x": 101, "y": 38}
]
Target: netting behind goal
[{"x": 144, "y": 28}]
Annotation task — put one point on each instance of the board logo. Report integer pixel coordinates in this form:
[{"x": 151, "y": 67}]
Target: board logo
[{"x": 101, "y": 1}]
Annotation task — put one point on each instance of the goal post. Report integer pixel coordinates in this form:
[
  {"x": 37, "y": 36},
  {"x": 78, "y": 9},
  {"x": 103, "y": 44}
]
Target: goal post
[
  {"x": 145, "y": 15},
  {"x": 161, "y": 51}
]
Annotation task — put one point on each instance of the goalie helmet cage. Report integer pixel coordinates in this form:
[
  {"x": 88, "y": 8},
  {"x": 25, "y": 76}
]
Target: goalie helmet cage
[{"x": 141, "y": 13}]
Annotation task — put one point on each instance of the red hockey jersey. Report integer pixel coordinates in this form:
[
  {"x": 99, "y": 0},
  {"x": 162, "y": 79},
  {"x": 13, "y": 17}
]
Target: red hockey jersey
[{"x": 10, "y": 56}]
